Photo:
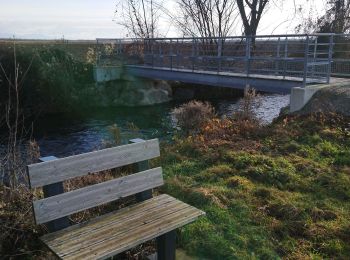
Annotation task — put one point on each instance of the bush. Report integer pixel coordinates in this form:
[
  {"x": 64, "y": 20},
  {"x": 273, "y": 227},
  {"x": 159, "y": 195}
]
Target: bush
[
  {"x": 192, "y": 115},
  {"x": 247, "y": 106},
  {"x": 52, "y": 79}
]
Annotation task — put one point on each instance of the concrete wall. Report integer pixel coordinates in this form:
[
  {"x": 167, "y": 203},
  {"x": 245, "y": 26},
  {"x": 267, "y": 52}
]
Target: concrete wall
[
  {"x": 107, "y": 73},
  {"x": 301, "y": 96},
  {"x": 116, "y": 87}
]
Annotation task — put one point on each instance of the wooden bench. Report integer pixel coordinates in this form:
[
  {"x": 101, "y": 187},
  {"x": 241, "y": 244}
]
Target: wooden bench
[{"x": 115, "y": 232}]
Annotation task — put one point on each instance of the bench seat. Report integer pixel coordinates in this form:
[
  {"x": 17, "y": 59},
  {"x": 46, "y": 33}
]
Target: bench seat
[{"x": 121, "y": 230}]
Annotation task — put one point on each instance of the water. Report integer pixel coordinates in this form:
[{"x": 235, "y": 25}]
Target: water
[
  {"x": 266, "y": 108},
  {"x": 66, "y": 134}
]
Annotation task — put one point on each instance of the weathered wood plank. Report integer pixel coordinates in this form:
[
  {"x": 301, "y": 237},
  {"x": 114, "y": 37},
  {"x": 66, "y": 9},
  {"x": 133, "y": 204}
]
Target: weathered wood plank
[
  {"x": 108, "y": 248},
  {"x": 124, "y": 218},
  {"x": 123, "y": 233},
  {"x": 74, "y": 201},
  {"x": 105, "y": 220},
  {"x": 45, "y": 173},
  {"x": 117, "y": 229},
  {"x": 111, "y": 225}
]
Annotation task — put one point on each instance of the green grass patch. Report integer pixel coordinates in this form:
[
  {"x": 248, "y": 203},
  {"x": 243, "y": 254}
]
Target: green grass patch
[{"x": 288, "y": 199}]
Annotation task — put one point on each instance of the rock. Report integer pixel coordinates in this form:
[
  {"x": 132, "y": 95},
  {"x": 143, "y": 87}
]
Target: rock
[
  {"x": 335, "y": 99},
  {"x": 135, "y": 92}
]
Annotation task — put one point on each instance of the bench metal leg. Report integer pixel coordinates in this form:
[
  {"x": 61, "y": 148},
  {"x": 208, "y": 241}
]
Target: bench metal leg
[
  {"x": 52, "y": 190},
  {"x": 166, "y": 245},
  {"x": 145, "y": 195}
]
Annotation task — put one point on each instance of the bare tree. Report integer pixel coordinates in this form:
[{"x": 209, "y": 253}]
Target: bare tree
[
  {"x": 139, "y": 17},
  {"x": 251, "y": 12},
  {"x": 339, "y": 16},
  {"x": 207, "y": 18},
  {"x": 335, "y": 19},
  {"x": 11, "y": 163}
]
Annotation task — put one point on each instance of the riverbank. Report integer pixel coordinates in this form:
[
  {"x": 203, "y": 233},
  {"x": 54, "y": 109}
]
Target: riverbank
[
  {"x": 277, "y": 191},
  {"x": 280, "y": 190}
]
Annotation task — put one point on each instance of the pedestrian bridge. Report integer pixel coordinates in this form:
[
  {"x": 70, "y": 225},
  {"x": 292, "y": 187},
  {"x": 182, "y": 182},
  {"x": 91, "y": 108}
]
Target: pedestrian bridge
[{"x": 274, "y": 63}]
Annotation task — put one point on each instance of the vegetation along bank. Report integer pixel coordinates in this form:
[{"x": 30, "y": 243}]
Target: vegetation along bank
[{"x": 281, "y": 190}]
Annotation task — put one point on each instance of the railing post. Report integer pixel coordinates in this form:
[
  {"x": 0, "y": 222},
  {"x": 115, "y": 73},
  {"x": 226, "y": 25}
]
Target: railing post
[
  {"x": 314, "y": 57},
  {"x": 161, "y": 56},
  {"x": 145, "y": 51},
  {"x": 330, "y": 57},
  {"x": 193, "y": 53},
  {"x": 98, "y": 58},
  {"x": 306, "y": 59},
  {"x": 248, "y": 54},
  {"x": 52, "y": 190},
  {"x": 278, "y": 56},
  {"x": 177, "y": 53},
  {"x": 152, "y": 52},
  {"x": 198, "y": 47},
  {"x": 171, "y": 54},
  {"x": 120, "y": 47},
  {"x": 285, "y": 58},
  {"x": 219, "y": 53}
]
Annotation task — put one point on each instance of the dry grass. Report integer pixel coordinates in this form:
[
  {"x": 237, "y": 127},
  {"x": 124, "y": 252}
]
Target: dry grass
[{"x": 191, "y": 116}]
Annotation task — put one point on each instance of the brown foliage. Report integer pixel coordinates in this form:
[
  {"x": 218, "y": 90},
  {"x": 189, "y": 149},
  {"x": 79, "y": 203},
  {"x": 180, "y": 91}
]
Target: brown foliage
[
  {"x": 239, "y": 134},
  {"x": 192, "y": 115},
  {"x": 18, "y": 233}
]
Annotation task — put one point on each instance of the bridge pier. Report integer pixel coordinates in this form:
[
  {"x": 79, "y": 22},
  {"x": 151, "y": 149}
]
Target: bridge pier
[
  {"x": 300, "y": 96},
  {"x": 118, "y": 87},
  {"x": 107, "y": 73}
]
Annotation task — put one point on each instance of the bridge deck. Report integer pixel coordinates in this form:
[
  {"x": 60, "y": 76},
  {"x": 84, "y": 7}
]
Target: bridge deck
[{"x": 265, "y": 83}]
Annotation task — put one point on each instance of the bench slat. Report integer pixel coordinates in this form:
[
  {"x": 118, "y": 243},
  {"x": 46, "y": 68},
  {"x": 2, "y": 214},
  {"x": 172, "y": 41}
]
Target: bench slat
[
  {"x": 45, "y": 173},
  {"x": 97, "y": 242},
  {"x": 103, "y": 222},
  {"x": 117, "y": 227},
  {"x": 74, "y": 201}
]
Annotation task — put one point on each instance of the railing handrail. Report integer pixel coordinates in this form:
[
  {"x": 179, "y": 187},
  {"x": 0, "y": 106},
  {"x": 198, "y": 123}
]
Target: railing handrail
[{"x": 226, "y": 37}]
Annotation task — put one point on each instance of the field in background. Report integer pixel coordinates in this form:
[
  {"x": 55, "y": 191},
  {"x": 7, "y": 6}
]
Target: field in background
[{"x": 78, "y": 48}]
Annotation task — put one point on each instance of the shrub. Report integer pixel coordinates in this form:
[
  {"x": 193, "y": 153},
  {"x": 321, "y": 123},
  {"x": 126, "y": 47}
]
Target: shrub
[
  {"x": 247, "y": 105},
  {"x": 192, "y": 115},
  {"x": 55, "y": 80}
]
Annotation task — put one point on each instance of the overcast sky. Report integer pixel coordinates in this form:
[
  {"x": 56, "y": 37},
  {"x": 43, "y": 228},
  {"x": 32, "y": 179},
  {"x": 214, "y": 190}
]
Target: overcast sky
[{"x": 90, "y": 19}]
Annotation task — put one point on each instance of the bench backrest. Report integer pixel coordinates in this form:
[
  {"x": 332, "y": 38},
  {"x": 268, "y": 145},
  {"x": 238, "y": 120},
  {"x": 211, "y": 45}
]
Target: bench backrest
[{"x": 56, "y": 171}]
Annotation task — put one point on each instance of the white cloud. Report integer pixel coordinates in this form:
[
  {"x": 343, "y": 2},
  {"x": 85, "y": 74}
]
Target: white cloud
[{"x": 89, "y": 19}]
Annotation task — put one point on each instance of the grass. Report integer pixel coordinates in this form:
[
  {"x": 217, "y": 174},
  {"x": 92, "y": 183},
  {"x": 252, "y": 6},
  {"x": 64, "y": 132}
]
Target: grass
[
  {"x": 279, "y": 191},
  {"x": 282, "y": 191}
]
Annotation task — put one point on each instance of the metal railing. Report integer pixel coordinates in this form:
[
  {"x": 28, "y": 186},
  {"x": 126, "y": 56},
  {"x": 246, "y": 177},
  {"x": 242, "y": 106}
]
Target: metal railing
[
  {"x": 304, "y": 57},
  {"x": 341, "y": 56}
]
